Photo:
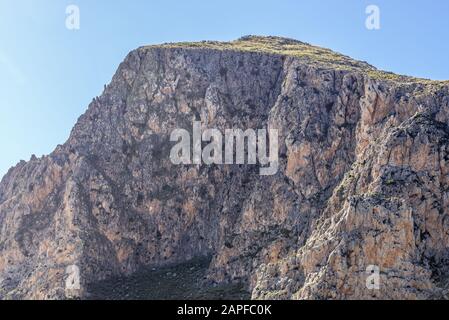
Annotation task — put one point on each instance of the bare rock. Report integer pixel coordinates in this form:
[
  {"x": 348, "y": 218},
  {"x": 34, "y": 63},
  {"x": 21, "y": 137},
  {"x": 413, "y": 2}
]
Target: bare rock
[{"x": 363, "y": 179}]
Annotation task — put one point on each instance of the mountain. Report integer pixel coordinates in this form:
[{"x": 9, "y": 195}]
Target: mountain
[{"x": 362, "y": 185}]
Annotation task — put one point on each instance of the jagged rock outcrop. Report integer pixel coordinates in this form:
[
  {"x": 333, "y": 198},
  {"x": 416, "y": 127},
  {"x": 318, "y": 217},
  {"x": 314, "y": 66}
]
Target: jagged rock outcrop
[{"x": 363, "y": 178}]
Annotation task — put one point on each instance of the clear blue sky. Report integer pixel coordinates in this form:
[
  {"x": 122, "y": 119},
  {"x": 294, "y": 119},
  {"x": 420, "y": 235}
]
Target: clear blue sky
[{"x": 49, "y": 74}]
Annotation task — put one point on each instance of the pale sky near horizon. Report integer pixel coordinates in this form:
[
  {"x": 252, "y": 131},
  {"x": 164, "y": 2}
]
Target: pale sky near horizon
[{"x": 49, "y": 74}]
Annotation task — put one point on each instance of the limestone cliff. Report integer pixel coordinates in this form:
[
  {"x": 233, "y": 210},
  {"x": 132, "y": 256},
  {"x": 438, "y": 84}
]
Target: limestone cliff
[{"x": 363, "y": 178}]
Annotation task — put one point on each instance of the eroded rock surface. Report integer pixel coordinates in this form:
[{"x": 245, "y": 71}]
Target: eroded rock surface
[{"x": 363, "y": 179}]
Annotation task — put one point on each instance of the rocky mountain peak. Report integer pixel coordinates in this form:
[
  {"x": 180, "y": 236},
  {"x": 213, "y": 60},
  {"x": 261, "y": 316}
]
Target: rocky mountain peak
[{"x": 362, "y": 180}]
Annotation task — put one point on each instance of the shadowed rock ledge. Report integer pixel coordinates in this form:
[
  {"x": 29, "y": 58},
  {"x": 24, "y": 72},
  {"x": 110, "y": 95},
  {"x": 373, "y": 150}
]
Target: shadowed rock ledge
[{"x": 363, "y": 179}]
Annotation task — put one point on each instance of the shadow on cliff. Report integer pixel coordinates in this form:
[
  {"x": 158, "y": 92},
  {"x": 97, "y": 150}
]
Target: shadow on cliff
[{"x": 185, "y": 281}]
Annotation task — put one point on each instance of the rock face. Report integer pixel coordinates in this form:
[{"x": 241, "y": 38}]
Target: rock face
[{"x": 363, "y": 179}]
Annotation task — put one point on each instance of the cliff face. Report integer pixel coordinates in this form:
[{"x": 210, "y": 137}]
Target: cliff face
[{"x": 363, "y": 178}]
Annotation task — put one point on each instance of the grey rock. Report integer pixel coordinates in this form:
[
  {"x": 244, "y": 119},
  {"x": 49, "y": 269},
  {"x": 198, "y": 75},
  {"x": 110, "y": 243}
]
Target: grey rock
[{"x": 363, "y": 178}]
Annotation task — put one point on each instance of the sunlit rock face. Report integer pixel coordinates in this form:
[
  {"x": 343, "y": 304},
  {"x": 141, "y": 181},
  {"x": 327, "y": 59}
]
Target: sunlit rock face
[{"x": 363, "y": 179}]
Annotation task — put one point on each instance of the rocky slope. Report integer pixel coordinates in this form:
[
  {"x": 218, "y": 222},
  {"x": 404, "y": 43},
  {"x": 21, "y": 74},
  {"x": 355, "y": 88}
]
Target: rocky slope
[{"x": 363, "y": 179}]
